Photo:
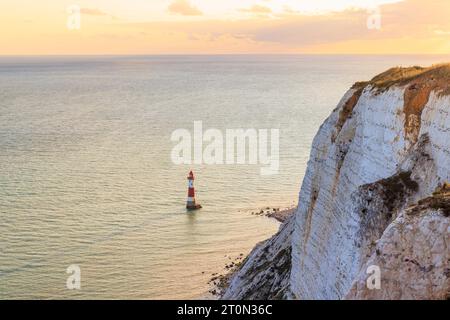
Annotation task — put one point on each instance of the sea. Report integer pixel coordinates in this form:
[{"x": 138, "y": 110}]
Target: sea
[{"x": 88, "y": 181}]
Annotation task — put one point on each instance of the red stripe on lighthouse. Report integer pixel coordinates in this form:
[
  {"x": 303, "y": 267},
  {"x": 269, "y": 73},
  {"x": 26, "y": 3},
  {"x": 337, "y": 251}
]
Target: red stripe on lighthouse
[{"x": 190, "y": 204}]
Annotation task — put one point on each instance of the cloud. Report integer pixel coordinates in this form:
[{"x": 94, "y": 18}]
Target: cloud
[
  {"x": 184, "y": 8},
  {"x": 217, "y": 36},
  {"x": 409, "y": 19},
  {"x": 303, "y": 30},
  {"x": 442, "y": 33},
  {"x": 258, "y": 9},
  {"x": 409, "y": 26},
  {"x": 93, "y": 12}
]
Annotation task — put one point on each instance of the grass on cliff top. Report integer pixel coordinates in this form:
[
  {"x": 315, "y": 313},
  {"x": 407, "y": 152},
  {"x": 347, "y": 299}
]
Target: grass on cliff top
[{"x": 399, "y": 76}]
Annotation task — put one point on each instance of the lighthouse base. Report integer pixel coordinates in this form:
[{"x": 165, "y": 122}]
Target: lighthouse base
[{"x": 193, "y": 207}]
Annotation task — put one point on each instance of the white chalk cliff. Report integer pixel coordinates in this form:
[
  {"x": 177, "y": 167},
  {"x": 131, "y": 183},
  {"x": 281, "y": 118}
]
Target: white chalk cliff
[{"x": 374, "y": 194}]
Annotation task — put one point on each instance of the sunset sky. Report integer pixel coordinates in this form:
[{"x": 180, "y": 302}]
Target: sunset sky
[{"x": 30, "y": 27}]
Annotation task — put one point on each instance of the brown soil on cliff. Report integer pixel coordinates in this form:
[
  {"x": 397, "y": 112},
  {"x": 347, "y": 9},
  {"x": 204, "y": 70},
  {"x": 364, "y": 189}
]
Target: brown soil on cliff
[
  {"x": 419, "y": 83},
  {"x": 440, "y": 201},
  {"x": 346, "y": 112}
]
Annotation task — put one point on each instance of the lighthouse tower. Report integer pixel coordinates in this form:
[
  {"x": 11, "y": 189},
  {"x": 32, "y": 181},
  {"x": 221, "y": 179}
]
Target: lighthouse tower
[{"x": 190, "y": 204}]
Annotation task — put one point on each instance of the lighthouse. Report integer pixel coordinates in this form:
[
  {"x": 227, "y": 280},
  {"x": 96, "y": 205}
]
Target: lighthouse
[{"x": 190, "y": 204}]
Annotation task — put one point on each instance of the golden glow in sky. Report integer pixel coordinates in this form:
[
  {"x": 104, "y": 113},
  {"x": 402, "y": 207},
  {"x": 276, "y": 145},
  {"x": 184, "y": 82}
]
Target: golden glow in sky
[{"x": 215, "y": 26}]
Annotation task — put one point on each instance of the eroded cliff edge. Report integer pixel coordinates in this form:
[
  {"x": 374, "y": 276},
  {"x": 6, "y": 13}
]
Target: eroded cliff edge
[{"x": 374, "y": 193}]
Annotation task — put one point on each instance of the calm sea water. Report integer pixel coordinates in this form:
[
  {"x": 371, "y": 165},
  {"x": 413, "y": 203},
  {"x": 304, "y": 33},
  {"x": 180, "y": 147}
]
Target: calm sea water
[{"x": 86, "y": 176}]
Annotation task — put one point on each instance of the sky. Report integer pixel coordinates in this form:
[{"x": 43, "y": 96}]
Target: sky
[{"x": 30, "y": 27}]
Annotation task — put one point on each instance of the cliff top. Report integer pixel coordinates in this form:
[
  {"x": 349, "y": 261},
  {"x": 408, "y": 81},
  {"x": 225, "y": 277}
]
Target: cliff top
[
  {"x": 436, "y": 76},
  {"x": 419, "y": 83}
]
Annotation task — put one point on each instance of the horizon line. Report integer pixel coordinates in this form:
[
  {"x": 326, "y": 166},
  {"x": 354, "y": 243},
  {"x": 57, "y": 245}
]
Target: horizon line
[{"x": 220, "y": 54}]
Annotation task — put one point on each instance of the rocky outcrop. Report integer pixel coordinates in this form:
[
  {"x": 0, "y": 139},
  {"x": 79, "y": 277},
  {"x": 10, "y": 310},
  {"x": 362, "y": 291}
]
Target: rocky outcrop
[
  {"x": 265, "y": 273},
  {"x": 382, "y": 152},
  {"x": 413, "y": 254}
]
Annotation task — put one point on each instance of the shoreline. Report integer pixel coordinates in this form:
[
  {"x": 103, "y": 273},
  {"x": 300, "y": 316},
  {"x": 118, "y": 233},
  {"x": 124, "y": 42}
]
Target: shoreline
[
  {"x": 220, "y": 281},
  {"x": 276, "y": 213}
]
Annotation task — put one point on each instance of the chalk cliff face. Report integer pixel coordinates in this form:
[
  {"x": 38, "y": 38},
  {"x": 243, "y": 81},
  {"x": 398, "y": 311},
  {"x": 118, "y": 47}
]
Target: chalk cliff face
[{"x": 374, "y": 194}]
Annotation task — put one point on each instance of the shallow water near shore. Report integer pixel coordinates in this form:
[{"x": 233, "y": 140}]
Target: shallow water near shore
[{"x": 86, "y": 176}]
